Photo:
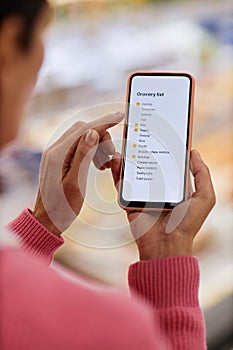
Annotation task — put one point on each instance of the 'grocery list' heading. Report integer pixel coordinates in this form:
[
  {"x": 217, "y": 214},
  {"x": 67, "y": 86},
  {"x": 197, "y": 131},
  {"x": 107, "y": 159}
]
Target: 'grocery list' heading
[{"x": 151, "y": 94}]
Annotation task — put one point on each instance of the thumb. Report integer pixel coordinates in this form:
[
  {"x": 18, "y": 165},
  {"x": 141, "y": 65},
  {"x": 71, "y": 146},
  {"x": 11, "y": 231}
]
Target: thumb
[
  {"x": 202, "y": 179},
  {"x": 116, "y": 168},
  {"x": 74, "y": 183},
  {"x": 83, "y": 156}
]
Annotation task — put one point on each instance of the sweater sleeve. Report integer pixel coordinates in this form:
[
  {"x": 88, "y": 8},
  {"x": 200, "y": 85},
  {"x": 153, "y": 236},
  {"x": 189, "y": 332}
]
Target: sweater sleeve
[
  {"x": 170, "y": 287},
  {"x": 34, "y": 237}
]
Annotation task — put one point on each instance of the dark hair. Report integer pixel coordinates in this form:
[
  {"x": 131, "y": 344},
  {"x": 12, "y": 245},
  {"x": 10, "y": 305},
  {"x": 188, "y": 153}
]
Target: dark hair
[{"x": 27, "y": 10}]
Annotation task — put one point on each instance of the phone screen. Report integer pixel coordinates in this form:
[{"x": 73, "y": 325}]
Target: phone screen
[{"x": 156, "y": 141}]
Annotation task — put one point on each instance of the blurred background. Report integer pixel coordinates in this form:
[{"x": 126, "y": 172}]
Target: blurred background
[{"x": 91, "y": 48}]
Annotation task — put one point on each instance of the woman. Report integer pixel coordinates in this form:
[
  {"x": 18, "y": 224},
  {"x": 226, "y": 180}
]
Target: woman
[{"x": 38, "y": 308}]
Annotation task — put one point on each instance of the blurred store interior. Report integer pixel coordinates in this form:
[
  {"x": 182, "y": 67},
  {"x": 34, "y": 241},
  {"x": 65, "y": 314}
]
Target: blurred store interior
[{"x": 91, "y": 48}]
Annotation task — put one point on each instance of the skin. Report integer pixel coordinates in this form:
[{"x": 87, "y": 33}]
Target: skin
[
  {"x": 66, "y": 163},
  {"x": 70, "y": 157},
  {"x": 172, "y": 233},
  {"x": 19, "y": 70}
]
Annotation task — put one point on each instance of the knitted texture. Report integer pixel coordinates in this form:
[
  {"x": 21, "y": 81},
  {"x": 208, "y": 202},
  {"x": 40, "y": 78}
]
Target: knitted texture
[
  {"x": 34, "y": 237},
  {"x": 170, "y": 286},
  {"x": 57, "y": 314}
]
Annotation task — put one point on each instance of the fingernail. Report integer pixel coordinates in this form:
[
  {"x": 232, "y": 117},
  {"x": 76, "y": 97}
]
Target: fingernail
[
  {"x": 197, "y": 153},
  {"x": 91, "y": 137}
]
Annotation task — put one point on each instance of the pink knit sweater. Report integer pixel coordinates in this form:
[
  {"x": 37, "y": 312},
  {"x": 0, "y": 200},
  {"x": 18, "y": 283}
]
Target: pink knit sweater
[{"x": 39, "y": 309}]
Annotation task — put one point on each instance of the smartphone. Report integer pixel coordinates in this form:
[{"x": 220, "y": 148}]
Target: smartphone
[{"x": 156, "y": 140}]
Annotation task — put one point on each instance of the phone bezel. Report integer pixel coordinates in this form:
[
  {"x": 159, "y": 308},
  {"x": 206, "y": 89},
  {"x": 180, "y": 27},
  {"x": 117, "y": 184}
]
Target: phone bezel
[{"x": 139, "y": 205}]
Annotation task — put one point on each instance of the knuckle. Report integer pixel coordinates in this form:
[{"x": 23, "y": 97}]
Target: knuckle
[
  {"x": 48, "y": 154},
  {"x": 213, "y": 200},
  {"x": 79, "y": 124},
  {"x": 83, "y": 150},
  {"x": 206, "y": 168}
]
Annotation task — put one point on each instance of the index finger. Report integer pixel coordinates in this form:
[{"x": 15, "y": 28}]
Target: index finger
[{"x": 106, "y": 122}]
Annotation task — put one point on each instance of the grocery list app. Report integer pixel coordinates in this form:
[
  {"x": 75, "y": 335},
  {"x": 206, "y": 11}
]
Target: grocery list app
[{"x": 155, "y": 148}]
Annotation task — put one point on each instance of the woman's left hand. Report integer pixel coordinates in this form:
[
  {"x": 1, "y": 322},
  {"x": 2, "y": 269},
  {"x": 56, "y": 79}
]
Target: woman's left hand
[
  {"x": 160, "y": 234},
  {"x": 65, "y": 168}
]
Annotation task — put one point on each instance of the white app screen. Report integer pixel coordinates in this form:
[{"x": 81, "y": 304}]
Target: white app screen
[{"x": 156, "y": 138}]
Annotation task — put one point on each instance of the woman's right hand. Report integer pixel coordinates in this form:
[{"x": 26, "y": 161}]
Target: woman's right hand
[{"x": 65, "y": 167}]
